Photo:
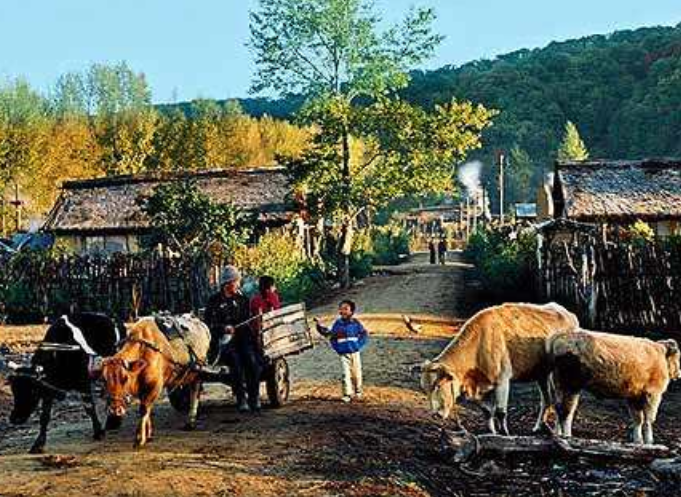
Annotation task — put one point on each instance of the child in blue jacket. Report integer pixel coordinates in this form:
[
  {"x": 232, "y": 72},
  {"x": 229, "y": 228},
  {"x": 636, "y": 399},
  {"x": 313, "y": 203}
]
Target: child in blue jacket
[{"x": 348, "y": 337}]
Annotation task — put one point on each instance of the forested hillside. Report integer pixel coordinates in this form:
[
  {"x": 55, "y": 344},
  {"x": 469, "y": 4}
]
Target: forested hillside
[{"x": 622, "y": 91}]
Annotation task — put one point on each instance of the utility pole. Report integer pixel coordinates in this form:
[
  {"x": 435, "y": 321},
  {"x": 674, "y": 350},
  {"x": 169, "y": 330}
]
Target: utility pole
[
  {"x": 500, "y": 160},
  {"x": 468, "y": 217},
  {"x": 3, "y": 217},
  {"x": 476, "y": 202},
  {"x": 18, "y": 204},
  {"x": 484, "y": 206}
]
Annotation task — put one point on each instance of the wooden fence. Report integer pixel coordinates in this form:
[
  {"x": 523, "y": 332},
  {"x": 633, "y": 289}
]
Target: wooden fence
[
  {"x": 614, "y": 286},
  {"x": 34, "y": 285}
]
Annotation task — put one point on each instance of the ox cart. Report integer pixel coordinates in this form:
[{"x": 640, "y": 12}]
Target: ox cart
[{"x": 285, "y": 332}]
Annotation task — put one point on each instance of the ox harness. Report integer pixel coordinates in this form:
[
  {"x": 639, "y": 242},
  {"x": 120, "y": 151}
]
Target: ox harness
[
  {"x": 185, "y": 369},
  {"x": 171, "y": 328},
  {"x": 37, "y": 374},
  {"x": 38, "y": 377}
]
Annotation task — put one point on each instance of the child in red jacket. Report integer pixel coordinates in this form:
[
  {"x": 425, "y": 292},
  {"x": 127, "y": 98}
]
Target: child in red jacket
[{"x": 267, "y": 298}]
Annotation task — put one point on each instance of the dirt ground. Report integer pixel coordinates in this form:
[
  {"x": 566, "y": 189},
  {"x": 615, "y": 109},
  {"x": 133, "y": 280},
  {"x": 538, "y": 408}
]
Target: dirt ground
[{"x": 384, "y": 445}]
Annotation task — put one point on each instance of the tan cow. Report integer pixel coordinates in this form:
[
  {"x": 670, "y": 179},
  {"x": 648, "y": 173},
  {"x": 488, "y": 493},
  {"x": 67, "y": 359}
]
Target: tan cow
[
  {"x": 495, "y": 347},
  {"x": 635, "y": 369},
  {"x": 148, "y": 362}
]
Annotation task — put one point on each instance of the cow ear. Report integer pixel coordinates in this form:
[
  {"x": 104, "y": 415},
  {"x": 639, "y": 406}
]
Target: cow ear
[
  {"x": 136, "y": 366},
  {"x": 672, "y": 346}
]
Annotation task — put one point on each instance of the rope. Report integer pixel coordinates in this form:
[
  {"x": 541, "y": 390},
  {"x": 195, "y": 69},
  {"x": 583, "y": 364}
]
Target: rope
[
  {"x": 185, "y": 369},
  {"x": 43, "y": 383}
]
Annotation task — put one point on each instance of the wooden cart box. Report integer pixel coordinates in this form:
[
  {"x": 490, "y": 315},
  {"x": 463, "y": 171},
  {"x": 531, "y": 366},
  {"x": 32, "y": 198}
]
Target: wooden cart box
[{"x": 285, "y": 332}]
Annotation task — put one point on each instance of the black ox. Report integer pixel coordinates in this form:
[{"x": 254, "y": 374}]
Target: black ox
[{"x": 65, "y": 361}]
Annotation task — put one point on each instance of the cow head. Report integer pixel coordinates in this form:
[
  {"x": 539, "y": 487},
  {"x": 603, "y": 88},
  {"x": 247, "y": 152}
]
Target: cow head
[
  {"x": 673, "y": 358},
  {"x": 441, "y": 386},
  {"x": 26, "y": 391},
  {"x": 120, "y": 376}
]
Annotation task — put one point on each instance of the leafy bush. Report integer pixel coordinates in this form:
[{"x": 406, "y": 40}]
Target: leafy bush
[
  {"x": 278, "y": 255},
  {"x": 390, "y": 245},
  {"x": 380, "y": 245},
  {"x": 639, "y": 233},
  {"x": 504, "y": 261},
  {"x": 189, "y": 221},
  {"x": 361, "y": 258}
]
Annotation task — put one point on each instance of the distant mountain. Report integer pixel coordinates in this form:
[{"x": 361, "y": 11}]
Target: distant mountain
[{"x": 622, "y": 90}]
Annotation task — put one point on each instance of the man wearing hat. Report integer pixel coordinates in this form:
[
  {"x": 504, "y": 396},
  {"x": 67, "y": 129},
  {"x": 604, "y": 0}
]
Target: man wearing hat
[{"x": 233, "y": 340}]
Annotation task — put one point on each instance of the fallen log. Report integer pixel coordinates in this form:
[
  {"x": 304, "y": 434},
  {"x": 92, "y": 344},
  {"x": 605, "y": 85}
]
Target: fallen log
[
  {"x": 667, "y": 469},
  {"x": 462, "y": 447}
]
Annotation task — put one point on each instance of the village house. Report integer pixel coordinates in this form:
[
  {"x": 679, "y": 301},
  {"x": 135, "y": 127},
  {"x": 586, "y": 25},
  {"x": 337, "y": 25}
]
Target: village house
[
  {"x": 614, "y": 194},
  {"x": 106, "y": 215}
]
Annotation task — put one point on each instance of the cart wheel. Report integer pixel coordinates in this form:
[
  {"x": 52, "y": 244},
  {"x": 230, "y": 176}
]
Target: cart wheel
[
  {"x": 279, "y": 383},
  {"x": 179, "y": 398}
]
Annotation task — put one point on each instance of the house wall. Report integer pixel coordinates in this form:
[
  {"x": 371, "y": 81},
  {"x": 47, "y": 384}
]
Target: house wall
[
  {"x": 667, "y": 228},
  {"x": 81, "y": 244},
  {"x": 544, "y": 203}
]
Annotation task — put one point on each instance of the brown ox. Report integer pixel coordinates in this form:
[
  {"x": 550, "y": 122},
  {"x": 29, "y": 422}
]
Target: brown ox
[
  {"x": 146, "y": 364},
  {"x": 612, "y": 366},
  {"x": 495, "y": 347}
]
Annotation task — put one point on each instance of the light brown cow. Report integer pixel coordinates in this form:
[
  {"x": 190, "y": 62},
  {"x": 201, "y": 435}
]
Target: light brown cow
[
  {"x": 146, "y": 364},
  {"x": 637, "y": 370},
  {"x": 495, "y": 347}
]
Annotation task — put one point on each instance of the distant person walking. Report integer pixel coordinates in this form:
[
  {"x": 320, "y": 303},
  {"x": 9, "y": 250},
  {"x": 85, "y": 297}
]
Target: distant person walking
[
  {"x": 432, "y": 250},
  {"x": 442, "y": 250}
]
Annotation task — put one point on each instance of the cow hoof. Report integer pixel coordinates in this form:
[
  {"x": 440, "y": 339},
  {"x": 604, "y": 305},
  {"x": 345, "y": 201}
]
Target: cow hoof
[
  {"x": 37, "y": 449},
  {"x": 113, "y": 423},
  {"x": 544, "y": 429},
  {"x": 189, "y": 426},
  {"x": 100, "y": 435}
]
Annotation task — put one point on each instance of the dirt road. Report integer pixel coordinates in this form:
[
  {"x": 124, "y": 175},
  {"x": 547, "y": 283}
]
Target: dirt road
[{"x": 317, "y": 446}]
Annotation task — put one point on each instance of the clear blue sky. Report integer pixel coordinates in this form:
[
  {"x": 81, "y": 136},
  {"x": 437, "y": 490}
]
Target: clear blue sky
[{"x": 191, "y": 48}]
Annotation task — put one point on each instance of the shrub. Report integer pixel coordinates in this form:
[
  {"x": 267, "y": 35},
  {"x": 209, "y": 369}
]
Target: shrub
[
  {"x": 379, "y": 245},
  {"x": 639, "y": 233},
  {"x": 390, "y": 245},
  {"x": 361, "y": 263},
  {"x": 278, "y": 255},
  {"x": 504, "y": 261}
]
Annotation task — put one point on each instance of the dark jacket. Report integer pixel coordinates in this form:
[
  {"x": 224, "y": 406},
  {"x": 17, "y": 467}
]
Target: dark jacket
[{"x": 223, "y": 311}]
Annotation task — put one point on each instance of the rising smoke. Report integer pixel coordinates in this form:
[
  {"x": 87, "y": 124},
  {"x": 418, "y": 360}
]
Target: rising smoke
[{"x": 469, "y": 177}]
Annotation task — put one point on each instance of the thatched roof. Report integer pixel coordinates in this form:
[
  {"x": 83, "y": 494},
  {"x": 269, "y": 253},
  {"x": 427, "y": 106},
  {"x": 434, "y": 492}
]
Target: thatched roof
[
  {"x": 112, "y": 205},
  {"x": 618, "y": 190}
]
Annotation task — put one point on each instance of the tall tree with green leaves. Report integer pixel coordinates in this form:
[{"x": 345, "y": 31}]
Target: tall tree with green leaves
[
  {"x": 24, "y": 129},
  {"x": 370, "y": 146},
  {"x": 116, "y": 101},
  {"x": 190, "y": 222},
  {"x": 572, "y": 147},
  {"x": 520, "y": 173}
]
